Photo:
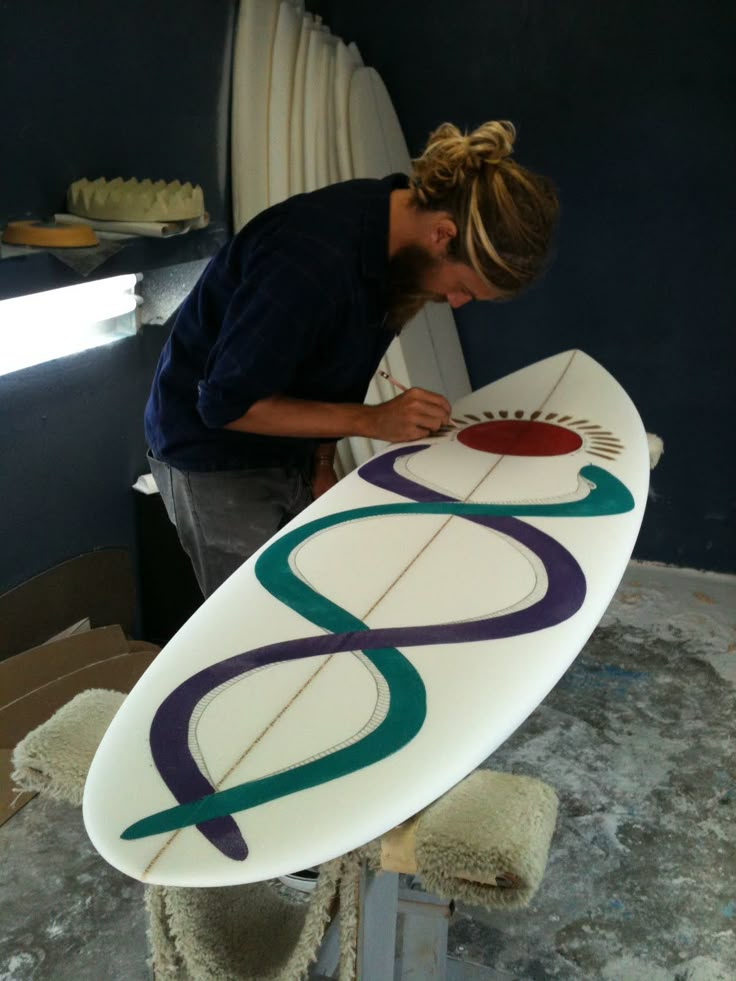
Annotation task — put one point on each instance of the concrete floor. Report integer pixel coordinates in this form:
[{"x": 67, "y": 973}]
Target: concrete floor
[{"x": 638, "y": 741}]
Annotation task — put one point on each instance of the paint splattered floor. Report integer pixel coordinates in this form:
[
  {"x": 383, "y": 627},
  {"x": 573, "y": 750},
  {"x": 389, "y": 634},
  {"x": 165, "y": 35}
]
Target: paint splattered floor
[{"x": 638, "y": 740}]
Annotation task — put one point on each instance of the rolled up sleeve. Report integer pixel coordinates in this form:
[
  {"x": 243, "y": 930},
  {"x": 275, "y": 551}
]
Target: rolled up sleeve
[{"x": 268, "y": 329}]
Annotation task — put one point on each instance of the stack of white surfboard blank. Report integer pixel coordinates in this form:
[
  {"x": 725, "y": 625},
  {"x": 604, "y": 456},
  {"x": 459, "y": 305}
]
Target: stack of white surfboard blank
[{"x": 306, "y": 112}]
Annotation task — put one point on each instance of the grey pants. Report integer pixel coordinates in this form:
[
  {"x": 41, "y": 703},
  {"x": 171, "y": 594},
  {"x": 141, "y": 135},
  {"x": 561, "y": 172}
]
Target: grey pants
[{"x": 222, "y": 517}]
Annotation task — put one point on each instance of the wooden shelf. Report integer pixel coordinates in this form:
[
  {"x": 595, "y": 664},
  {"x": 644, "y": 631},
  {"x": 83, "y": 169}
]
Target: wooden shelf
[{"x": 39, "y": 270}]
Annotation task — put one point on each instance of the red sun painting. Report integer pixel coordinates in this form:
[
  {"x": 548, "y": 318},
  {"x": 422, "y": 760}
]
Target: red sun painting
[{"x": 516, "y": 434}]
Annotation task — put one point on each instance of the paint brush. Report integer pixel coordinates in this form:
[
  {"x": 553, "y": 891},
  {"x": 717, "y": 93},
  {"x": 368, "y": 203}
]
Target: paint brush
[{"x": 402, "y": 388}]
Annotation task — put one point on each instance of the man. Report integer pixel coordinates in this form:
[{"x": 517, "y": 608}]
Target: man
[{"x": 270, "y": 356}]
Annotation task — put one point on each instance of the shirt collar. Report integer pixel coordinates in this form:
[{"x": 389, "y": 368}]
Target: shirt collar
[{"x": 374, "y": 253}]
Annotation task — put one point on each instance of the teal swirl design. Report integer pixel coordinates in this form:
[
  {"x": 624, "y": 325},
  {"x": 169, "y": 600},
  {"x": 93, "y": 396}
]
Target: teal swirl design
[{"x": 200, "y": 803}]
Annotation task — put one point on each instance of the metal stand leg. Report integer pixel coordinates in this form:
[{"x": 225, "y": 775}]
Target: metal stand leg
[
  {"x": 379, "y": 906},
  {"x": 422, "y": 948}
]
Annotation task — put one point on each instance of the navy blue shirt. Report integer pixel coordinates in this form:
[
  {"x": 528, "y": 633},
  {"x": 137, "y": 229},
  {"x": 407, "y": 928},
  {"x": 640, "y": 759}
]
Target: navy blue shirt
[{"x": 293, "y": 305}]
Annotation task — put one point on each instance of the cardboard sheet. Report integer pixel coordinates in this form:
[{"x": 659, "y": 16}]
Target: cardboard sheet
[{"x": 37, "y": 682}]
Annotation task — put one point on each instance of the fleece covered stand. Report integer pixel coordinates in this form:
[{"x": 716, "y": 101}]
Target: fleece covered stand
[
  {"x": 485, "y": 842},
  {"x": 249, "y": 933}
]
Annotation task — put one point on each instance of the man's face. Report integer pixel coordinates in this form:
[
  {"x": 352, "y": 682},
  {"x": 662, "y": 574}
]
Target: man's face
[
  {"x": 416, "y": 277},
  {"x": 458, "y": 283}
]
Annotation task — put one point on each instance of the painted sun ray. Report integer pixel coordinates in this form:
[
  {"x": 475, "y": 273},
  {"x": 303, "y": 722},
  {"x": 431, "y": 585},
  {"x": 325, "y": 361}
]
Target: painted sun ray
[{"x": 594, "y": 438}]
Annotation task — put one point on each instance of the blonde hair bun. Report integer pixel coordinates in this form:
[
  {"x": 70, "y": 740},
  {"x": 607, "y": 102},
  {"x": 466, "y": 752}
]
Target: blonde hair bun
[
  {"x": 505, "y": 214},
  {"x": 492, "y": 142},
  {"x": 450, "y": 155}
]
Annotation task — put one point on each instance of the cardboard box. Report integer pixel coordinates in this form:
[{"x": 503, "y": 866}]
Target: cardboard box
[
  {"x": 99, "y": 585},
  {"x": 36, "y": 683}
]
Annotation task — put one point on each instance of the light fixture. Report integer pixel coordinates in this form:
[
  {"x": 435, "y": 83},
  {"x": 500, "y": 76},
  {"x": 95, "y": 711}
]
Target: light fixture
[{"x": 55, "y": 323}]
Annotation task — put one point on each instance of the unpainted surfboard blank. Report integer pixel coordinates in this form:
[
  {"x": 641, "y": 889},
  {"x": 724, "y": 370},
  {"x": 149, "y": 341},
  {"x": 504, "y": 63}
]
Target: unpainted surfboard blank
[
  {"x": 297, "y": 180},
  {"x": 345, "y": 65},
  {"x": 382, "y": 644},
  {"x": 333, "y": 166},
  {"x": 313, "y": 109},
  {"x": 254, "y": 36},
  {"x": 285, "y": 45},
  {"x": 376, "y": 137},
  {"x": 320, "y": 96}
]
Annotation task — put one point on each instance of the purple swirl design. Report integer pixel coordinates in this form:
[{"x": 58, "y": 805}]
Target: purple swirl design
[{"x": 200, "y": 803}]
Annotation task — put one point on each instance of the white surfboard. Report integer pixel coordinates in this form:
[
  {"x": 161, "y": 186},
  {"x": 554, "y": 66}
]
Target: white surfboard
[
  {"x": 382, "y": 644},
  {"x": 345, "y": 65},
  {"x": 313, "y": 108},
  {"x": 254, "y": 36},
  {"x": 376, "y": 137},
  {"x": 319, "y": 153},
  {"x": 333, "y": 166},
  {"x": 448, "y": 353},
  {"x": 297, "y": 181},
  {"x": 320, "y": 96},
  {"x": 283, "y": 63}
]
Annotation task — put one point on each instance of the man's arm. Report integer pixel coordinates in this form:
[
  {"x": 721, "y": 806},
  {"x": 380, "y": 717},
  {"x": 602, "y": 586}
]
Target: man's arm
[{"x": 411, "y": 415}]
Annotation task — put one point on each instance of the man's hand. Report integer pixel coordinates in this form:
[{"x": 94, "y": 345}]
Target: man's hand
[
  {"x": 323, "y": 469},
  {"x": 411, "y": 415},
  {"x": 323, "y": 477}
]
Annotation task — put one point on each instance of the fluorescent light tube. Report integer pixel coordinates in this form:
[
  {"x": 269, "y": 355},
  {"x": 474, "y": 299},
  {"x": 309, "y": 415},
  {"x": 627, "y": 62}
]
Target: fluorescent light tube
[{"x": 55, "y": 323}]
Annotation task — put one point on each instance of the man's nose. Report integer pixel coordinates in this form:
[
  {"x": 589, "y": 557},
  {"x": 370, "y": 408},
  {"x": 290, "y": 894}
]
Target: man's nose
[{"x": 457, "y": 300}]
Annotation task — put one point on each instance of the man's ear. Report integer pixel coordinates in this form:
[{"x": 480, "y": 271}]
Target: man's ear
[{"x": 444, "y": 230}]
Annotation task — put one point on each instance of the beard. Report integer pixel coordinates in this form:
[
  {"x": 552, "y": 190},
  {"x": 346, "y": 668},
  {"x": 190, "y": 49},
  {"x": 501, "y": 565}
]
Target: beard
[{"x": 406, "y": 294}]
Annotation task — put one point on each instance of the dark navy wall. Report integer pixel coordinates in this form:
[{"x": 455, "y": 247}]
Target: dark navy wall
[
  {"x": 630, "y": 107},
  {"x": 101, "y": 89},
  {"x": 72, "y": 445},
  {"x": 96, "y": 88}
]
